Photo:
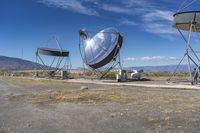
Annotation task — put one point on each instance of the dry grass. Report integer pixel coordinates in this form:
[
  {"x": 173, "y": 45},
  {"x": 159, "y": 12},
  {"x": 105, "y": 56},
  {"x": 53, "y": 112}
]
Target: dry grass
[
  {"x": 80, "y": 96},
  {"x": 167, "y": 102},
  {"x": 31, "y": 79}
]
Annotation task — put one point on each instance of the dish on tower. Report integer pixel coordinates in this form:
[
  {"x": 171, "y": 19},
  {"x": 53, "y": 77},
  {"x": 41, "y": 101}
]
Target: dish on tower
[{"x": 187, "y": 21}]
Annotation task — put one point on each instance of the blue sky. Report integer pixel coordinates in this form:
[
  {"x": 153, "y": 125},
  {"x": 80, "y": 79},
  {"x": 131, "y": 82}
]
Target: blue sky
[{"x": 146, "y": 25}]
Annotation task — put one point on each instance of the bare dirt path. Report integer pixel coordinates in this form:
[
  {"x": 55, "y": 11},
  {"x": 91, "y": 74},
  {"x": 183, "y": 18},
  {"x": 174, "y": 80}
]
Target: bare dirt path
[{"x": 148, "y": 110}]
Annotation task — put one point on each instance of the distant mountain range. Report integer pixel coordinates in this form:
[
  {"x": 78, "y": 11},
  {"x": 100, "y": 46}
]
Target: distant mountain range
[
  {"x": 167, "y": 68},
  {"x": 11, "y": 63}
]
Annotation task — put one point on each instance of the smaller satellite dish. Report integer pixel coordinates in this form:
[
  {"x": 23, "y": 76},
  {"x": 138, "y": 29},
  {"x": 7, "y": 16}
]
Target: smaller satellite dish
[
  {"x": 52, "y": 52},
  {"x": 183, "y": 20},
  {"x": 83, "y": 34},
  {"x": 53, "y": 60}
]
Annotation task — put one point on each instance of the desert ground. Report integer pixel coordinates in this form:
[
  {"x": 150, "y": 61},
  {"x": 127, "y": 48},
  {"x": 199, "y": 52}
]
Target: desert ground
[{"x": 37, "y": 106}]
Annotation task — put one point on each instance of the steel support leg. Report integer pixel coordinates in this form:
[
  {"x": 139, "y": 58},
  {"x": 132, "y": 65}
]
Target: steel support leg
[
  {"x": 187, "y": 51},
  {"x": 177, "y": 68}
]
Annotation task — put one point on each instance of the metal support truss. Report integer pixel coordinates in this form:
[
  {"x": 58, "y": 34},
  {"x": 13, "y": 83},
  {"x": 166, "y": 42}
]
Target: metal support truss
[{"x": 188, "y": 51}]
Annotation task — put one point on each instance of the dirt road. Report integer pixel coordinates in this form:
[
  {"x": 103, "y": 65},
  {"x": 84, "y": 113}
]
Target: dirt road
[{"x": 146, "y": 110}]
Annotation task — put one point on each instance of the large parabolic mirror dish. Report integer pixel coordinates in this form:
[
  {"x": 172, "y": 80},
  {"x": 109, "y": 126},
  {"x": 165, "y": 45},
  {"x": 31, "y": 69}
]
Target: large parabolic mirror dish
[{"x": 100, "y": 49}]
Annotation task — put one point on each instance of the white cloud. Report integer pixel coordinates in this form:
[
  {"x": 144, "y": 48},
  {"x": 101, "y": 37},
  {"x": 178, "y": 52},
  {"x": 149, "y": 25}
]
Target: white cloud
[
  {"x": 128, "y": 7},
  {"x": 116, "y": 9},
  {"x": 160, "y": 28},
  {"x": 72, "y": 5},
  {"x": 169, "y": 37},
  {"x": 148, "y": 13},
  {"x": 153, "y": 20},
  {"x": 151, "y": 58},
  {"x": 159, "y": 22},
  {"x": 137, "y": 3},
  {"x": 128, "y": 22},
  {"x": 158, "y": 15}
]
